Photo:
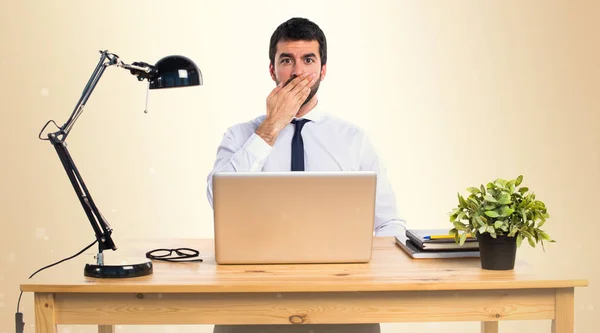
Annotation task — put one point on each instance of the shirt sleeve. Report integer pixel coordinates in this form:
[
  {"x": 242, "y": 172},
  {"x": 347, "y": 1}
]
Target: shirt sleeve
[
  {"x": 240, "y": 150},
  {"x": 387, "y": 221}
]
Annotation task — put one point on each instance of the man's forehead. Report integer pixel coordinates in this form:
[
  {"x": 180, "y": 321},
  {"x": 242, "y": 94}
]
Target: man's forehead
[{"x": 298, "y": 47}]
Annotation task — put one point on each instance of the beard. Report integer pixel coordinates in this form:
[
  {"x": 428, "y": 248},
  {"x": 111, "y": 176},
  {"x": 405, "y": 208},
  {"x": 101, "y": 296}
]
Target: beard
[{"x": 313, "y": 89}]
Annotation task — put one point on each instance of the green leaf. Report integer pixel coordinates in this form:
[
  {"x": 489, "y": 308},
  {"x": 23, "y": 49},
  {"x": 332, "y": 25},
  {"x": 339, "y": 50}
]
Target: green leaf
[
  {"x": 519, "y": 240},
  {"x": 522, "y": 204},
  {"x": 498, "y": 224},
  {"x": 491, "y": 213},
  {"x": 460, "y": 226},
  {"x": 462, "y": 201},
  {"x": 473, "y": 206},
  {"x": 519, "y": 180},
  {"x": 479, "y": 220},
  {"x": 482, "y": 188},
  {"x": 504, "y": 199},
  {"x": 500, "y": 182},
  {"x": 490, "y": 229},
  {"x": 482, "y": 229},
  {"x": 541, "y": 223},
  {"x": 463, "y": 238},
  {"x": 544, "y": 235},
  {"x": 506, "y": 211},
  {"x": 489, "y": 207},
  {"x": 522, "y": 190},
  {"x": 526, "y": 233},
  {"x": 473, "y": 190},
  {"x": 531, "y": 242},
  {"x": 490, "y": 198}
]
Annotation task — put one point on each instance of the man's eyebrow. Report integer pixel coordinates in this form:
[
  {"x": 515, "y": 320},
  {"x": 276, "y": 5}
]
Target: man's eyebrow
[
  {"x": 286, "y": 55},
  {"x": 289, "y": 55}
]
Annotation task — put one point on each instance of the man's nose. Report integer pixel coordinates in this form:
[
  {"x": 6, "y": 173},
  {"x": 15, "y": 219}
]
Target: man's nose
[{"x": 298, "y": 69}]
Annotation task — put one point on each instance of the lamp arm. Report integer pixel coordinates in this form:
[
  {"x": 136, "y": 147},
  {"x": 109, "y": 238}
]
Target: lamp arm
[
  {"x": 87, "y": 91},
  {"x": 101, "y": 227},
  {"x": 140, "y": 69}
]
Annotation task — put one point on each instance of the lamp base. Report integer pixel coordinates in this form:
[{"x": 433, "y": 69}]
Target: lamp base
[{"x": 118, "y": 271}]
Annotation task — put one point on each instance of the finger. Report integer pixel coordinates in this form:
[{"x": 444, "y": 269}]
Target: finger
[
  {"x": 290, "y": 79},
  {"x": 275, "y": 90},
  {"x": 305, "y": 83},
  {"x": 305, "y": 86},
  {"x": 303, "y": 94},
  {"x": 293, "y": 82},
  {"x": 306, "y": 93}
]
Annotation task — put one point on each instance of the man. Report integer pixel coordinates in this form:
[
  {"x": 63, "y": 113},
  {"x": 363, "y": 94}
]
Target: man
[{"x": 295, "y": 134}]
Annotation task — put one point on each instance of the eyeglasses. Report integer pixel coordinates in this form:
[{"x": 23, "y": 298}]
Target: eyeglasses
[{"x": 182, "y": 254}]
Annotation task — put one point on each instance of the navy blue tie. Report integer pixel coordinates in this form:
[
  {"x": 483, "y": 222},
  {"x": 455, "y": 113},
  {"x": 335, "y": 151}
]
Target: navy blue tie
[{"x": 298, "y": 145}]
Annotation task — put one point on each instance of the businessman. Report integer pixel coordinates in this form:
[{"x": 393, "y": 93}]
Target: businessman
[{"x": 296, "y": 134}]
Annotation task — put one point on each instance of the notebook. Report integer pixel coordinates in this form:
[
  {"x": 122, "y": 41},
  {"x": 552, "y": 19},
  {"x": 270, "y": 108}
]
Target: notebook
[
  {"x": 416, "y": 253},
  {"x": 418, "y": 238}
]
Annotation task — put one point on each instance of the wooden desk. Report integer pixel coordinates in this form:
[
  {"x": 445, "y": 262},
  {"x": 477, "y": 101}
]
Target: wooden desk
[{"x": 391, "y": 288}]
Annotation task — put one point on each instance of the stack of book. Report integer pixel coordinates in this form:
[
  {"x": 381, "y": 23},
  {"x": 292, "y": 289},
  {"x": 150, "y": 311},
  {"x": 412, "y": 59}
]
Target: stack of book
[{"x": 436, "y": 243}]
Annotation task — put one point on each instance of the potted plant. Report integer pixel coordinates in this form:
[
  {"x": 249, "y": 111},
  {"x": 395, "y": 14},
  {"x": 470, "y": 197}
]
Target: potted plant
[{"x": 500, "y": 215}]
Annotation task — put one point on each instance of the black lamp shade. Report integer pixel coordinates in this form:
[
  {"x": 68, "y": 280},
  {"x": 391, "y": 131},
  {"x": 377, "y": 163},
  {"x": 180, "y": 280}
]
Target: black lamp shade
[{"x": 176, "y": 71}]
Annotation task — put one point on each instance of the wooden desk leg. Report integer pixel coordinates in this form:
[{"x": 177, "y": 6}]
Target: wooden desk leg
[
  {"x": 106, "y": 329},
  {"x": 45, "y": 321},
  {"x": 564, "y": 318},
  {"x": 489, "y": 327}
]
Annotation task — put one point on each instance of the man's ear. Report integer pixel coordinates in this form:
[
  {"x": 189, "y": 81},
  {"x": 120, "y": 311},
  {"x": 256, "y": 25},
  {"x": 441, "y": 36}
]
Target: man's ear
[
  {"x": 323, "y": 71},
  {"x": 272, "y": 72}
]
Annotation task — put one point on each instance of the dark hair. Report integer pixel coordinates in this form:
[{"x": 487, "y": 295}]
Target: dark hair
[{"x": 298, "y": 28}]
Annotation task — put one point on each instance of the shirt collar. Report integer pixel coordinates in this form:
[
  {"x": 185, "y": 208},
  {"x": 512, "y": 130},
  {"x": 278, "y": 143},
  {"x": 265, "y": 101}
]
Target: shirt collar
[{"x": 315, "y": 115}]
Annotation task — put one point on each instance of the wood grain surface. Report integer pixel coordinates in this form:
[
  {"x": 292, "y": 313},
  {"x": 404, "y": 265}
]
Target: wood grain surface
[
  {"x": 305, "y": 308},
  {"x": 389, "y": 270}
]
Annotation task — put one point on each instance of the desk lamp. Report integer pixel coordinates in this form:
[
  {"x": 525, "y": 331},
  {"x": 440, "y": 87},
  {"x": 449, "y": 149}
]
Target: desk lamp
[{"x": 169, "y": 72}]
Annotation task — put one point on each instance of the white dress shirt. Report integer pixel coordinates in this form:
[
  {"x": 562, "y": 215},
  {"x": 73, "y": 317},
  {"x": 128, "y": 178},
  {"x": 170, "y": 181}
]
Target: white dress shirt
[{"x": 330, "y": 144}]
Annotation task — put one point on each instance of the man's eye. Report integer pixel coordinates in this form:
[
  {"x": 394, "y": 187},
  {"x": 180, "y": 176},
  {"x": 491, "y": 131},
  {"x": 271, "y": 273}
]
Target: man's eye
[
  {"x": 310, "y": 60},
  {"x": 285, "y": 61}
]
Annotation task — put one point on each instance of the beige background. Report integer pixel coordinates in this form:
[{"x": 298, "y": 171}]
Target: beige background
[{"x": 453, "y": 93}]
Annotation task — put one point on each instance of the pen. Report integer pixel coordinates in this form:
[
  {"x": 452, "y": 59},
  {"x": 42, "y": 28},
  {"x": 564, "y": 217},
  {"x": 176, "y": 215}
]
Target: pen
[{"x": 442, "y": 236}]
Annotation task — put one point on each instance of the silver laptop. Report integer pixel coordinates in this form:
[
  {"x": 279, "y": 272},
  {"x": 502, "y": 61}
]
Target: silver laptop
[{"x": 293, "y": 217}]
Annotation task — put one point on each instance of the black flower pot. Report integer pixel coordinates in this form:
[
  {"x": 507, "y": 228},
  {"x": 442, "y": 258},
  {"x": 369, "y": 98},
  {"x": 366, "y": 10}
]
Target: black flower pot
[{"x": 497, "y": 253}]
